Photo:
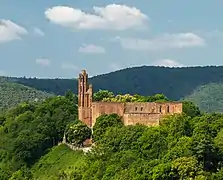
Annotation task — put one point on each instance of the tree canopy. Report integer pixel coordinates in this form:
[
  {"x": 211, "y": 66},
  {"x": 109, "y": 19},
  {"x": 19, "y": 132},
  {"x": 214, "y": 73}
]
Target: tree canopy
[
  {"x": 30, "y": 129},
  {"x": 183, "y": 146},
  {"x": 77, "y": 132}
]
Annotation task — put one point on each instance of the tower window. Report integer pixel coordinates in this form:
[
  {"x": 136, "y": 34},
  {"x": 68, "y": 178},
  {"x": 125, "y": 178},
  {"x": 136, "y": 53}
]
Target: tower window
[
  {"x": 135, "y": 108},
  {"x": 141, "y": 108},
  {"x": 160, "y": 109}
]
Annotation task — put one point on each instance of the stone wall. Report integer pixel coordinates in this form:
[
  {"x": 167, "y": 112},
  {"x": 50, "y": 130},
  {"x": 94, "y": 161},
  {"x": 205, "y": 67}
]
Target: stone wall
[
  {"x": 85, "y": 115},
  {"x": 153, "y": 107},
  {"x": 100, "y": 108},
  {"x": 140, "y": 107},
  {"x": 136, "y": 112},
  {"x": 145, "y": 119}
]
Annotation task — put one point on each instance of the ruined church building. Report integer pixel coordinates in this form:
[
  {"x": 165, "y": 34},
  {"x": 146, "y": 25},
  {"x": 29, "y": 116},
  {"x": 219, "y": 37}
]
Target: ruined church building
[{"x": 147, "y": 113}]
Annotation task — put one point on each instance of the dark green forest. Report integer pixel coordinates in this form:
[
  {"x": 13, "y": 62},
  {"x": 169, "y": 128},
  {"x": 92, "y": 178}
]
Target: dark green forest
[
  {"x": 186, "y": 146},
  {"x": 201, "y": 85},
  {"x": 175, "y": 83}
]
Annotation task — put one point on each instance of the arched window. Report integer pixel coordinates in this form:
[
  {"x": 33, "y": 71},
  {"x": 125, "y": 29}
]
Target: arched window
[
  {"x": 141, "y": 108},
  {"x": 135, "y": 108},
  {"x": 160, "y": 109},
  {"x": 168, "y": 109}
]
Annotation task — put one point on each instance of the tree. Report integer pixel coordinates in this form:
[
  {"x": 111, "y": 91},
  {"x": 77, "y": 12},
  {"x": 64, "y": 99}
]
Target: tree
[
  {"x": 219, "y": 140},
  {"x": 22, "y": 174},
  {"x": 76, "y": 133},
  {"x": 218, "y": 175},
  {"x": 2, "y": 119},
  {"x": 104, "y": 122},
  {"x": 187, "y": 168},
  {"x": 191, "y": 109},
  {"x": 71, "y": 96},
  {"x": 136, "y": 98},
  {"x": 101, "y": 94}
]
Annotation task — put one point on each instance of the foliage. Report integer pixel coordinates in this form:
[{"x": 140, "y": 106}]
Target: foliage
[
  {"x": 22, "y": 174},
  {"x": 191, "y": 109},
  {"x": 29, "y": 130},
  {"x": 60, "y": 160},
  {"x": 77, "y": 133},
  {"x": 208, "y": 97},
  {"x": 103, "y": 123},
  {"x": 12, "y": 94},
  {"x": 182, "y": 147},
  {"x": 136, "y": 98},
  {"x": 219, "y": 140},
  {"x": 101, "y": 94}
]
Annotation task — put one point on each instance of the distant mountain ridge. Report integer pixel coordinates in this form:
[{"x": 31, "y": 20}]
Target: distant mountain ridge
[
  {"x": 201, "y": 85},
  {"x": 175, "y": 83}
]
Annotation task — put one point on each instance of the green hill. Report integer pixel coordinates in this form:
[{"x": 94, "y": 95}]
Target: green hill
[
  {"x": 182, "y": 147},
  {"x": 12, "y": 94},
  {"x": 175, "y": 83},
  {"x": 60, "y": 159},
  {"x": 208, "y": 97},
  {"x": 29, "y": 130}
]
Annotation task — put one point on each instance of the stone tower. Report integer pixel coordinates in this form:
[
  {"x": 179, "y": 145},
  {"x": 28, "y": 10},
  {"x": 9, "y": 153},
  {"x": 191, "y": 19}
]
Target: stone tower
[{"x": 84, "y": 99}]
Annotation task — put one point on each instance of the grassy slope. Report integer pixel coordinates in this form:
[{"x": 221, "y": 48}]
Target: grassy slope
[
  {"x": 209, "y": 97},
  {"x": 59, "y": 158},
  {"x": 12, "y": 94}
]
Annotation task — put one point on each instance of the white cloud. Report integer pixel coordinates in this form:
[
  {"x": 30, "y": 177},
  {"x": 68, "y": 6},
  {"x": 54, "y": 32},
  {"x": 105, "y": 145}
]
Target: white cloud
[
  {"x": 92, "y": 49},
  {"x": 10, "y": 31},
  {"x": 166, "y": 41},
  {"x": 43, "y": 62},
  {"x": 112, "y": 16},
  {"x": 38, "y": 31},
  {"x": 69, "y": 66},
  {"x": 167, "y": 63}
]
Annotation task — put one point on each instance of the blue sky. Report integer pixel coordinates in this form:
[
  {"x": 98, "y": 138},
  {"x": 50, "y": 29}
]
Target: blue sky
[{"x": 59, "y": 38}]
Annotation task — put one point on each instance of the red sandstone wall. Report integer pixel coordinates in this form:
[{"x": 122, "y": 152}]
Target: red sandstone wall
[
  {"x": 152, "y": 107},
  {"x": 84, "y": 114},
  {"x": 146, "y": 119},
  {"x": 133, "y": 113},
  {"x": 99, "y": 108},
  {"x": 140, "y": 107}
]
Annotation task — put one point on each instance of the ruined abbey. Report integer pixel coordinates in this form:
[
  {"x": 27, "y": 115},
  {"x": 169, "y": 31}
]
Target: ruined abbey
[{"x": 147, "y": 113}]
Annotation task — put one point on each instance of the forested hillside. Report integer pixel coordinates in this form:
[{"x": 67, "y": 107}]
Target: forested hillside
[
  {"x": 29, "y": 130},
  {"x": 187, "y": 146},
  {"x": 11, "y": 94},
  {"x": 208, "y": 97},
  {"x": 175, "y": 83}
]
